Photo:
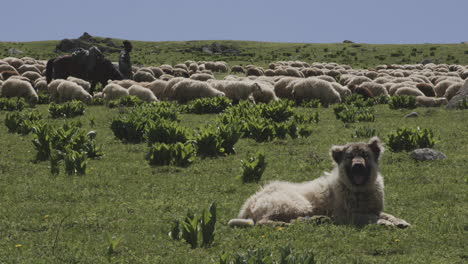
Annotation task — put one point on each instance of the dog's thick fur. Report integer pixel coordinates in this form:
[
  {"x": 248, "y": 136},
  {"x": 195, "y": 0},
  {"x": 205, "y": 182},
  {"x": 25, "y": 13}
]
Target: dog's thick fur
[{"x": 352, "y": 193}]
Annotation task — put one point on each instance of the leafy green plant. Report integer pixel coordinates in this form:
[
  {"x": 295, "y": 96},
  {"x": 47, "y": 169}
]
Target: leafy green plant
[
  {"x": 165, "y": 131},
  {"x": 314, "y": 103},
  {"x": 12, "y": 104},
  {"x": 253, "y": 168},
  {"x": 177, "y": 154},
  {"x": 112, "y": 243},
  {"x": 209, "y": 143},
  {"x": 208, "y": 105},
  {"x": 21, "y": 122},
  {"x": 408, "y": 139},
  {"x": 75, "y": 162},
  {"x": 229, "y": 135},
  {"x": 97, "y": 101},
  {"x": 43, "y": 98},
  {"x": 402, "y": 101},
  {"x": 260, "y": 130},
  {"x": 128, "y": 101},
  {"x": 463, "y": 104},
  {"x": 196, "y": 230},
  {"x": 266, "y": 256},
  {"x": 364, "y": 132},
  {"x": 279, "y": 111},
  {"x": 352, "y": 113},
  {"x": 67, "y": 110}
]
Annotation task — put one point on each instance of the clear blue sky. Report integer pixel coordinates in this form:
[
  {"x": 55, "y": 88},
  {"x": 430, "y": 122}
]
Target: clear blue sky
[{"x": 325, "y": 21}]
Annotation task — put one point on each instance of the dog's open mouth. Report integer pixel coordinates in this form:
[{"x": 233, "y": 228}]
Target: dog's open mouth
[{"x": 359, "y": 174}]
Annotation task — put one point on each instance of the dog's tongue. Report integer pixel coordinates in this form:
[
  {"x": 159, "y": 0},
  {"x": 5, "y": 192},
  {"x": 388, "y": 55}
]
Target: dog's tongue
[{"x": 359, "y": 179}]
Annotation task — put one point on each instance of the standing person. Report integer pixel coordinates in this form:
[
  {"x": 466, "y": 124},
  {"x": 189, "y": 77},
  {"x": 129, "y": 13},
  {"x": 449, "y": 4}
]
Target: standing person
[{"x": 125, "y": 66}]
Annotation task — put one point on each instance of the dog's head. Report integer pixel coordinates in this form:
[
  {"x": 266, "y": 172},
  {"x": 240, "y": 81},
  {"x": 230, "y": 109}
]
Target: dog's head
[{"x": 358, "y": 162}]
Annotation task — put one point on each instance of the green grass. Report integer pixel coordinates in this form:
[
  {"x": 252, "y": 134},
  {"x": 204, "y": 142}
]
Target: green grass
[
  {"x": 69, "y": 219},
  {"x": 262, "y": 53}
]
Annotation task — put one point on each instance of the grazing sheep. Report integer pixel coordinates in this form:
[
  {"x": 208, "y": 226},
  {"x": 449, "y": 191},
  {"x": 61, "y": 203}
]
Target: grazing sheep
[
  {"x": 240, "y": 90},
  {"x": 98, "y": 95},
  {"x": 15, "y": 62},
  {"x": 19, "y": 88},
  {"x": 85, "y": 84},
  {"x": 430, "y": 101},
  {"x": 352, "y": 193},
  {"x": 342, "y": 90},
  {"x": 375, "y": 88},
  {"x": 178, "y": 72},
  {"x": 181, "y": 66},
  {"x": 52, "y": 88},
  {"x": 354, "y": 82},
  {"x": 269, "y": 72},
  {"x": 442, "y": 86},
  {"x": 114, "y": 91},
  {"x": 167, "y": 69},
  {"x": 265, "y": 94},
  {"x": 408, "y": 91},
  {"x": 168, "y": 93},
  {"x": 364, "y": 92},
  {"x": 254, "y": 71},
  {"x": 326, "y": 78},
  {"x": 157, "y": 72},
  {"x": 32, "y": 76},
  {"x": 193, "y": 67},
  {"x": 452, "y": 90},
  {"x": 201, "y": 77},
  {"x": 166, "y": 77},
  {"x": 142, "y": 93},
  {"x": 187, "y": 90},
  {"x": 313, "y": 88},
  {"x": 237, "y": 69},
  {"x": 283, "y": 89},
  {"x": 26, "y": 67},
  {"x": 397, "y": 86},
  {"x": 294, "y": 73},
  {"x": 124, "y": 83},
  {"x": 426, "y": 88},
  {"x": 143, "y": 76},
  {"x": 220, "y": 66},
  {"x": 7, "y": 67},
  {"x": 41, "y": 85},
  {"x": 157, "y": 87},
  {"x": 68, "y": 91}
]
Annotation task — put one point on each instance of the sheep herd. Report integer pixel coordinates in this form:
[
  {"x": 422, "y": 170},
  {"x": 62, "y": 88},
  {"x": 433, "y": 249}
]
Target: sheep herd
[{"x": 431, "y": 84}]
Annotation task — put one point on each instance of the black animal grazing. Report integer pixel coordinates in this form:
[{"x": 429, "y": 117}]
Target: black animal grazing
[{"x": 64, "y": 66}]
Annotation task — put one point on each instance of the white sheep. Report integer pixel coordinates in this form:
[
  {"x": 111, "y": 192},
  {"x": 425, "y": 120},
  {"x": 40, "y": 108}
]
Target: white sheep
[
  {"x": 143, "y": 76},
  {"x": 283, "y": 89},
  {"x": 124, "y": 83},
  {"x": 313, "y": 88},
  {"x": 85, "y": 84},
  {"x": 52, "y": 88},
  {"x": 408, "y": 91},
  {"x": 187, "y": 90},
  {"x": 19, "y": 88},
  {"x": 98, "y": 95},
  {"x": 342, "y": 90},
  {"x": 375, "y": 88},
  {"x": 26, "y": 67},
  {"x": 452, "y": 90},
  {"x": 201, "y": 77},
  {"x": 240, "y": 90},
  {"x": 430, "y": 101},
  {"x": 68, "y": 91},
  {"x": 114, "y": 91},
  {"x": 157, "y": 87},
  {"x": 143, "y": 93},
  {"x": 41, "y": 85},
  {"x": 265, "y": 94},
  {"x": 168, "y": 93},
  {"x": 394, "y": 87},
  {"x": 32, "y": 76},
  {"x": 442, "y": 86}
]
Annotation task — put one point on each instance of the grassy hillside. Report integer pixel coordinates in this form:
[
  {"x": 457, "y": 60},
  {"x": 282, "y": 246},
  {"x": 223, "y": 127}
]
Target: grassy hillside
[
  {"x": 262, "y": 53},
  {"x": 69, "y": 219}
]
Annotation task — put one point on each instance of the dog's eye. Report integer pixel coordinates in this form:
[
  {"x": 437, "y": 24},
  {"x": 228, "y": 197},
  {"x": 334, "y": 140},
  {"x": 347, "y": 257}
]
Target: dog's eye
[{"x": 349, "y": 155}]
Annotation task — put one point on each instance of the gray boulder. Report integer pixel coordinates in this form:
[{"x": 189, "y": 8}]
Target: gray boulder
[
  {"x": 462, "y": 93},
  {"x": 423, "y": 154}
]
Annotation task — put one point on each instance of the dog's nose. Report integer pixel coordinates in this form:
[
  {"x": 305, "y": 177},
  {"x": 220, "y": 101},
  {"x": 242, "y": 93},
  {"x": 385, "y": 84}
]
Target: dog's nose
[{"x": 358, "y": 162}]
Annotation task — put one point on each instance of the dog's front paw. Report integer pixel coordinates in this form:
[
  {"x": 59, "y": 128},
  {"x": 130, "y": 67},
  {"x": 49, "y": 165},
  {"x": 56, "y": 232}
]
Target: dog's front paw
[
  {"x": 385, "y": 222},
  {"x": 400, "y": 223}
]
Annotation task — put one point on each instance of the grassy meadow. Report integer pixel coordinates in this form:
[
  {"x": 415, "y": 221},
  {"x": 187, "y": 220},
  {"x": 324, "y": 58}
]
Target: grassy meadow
[
  {"x": 69, "y": 219},
  {"x": 122, "y": 200},
  {"x": 357, "y": 55}
]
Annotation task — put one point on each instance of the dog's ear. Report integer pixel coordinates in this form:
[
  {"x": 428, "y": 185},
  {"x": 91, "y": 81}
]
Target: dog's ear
[
  {"x": 376, "y": 146},
  {"x": 337, "y": 153}
]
